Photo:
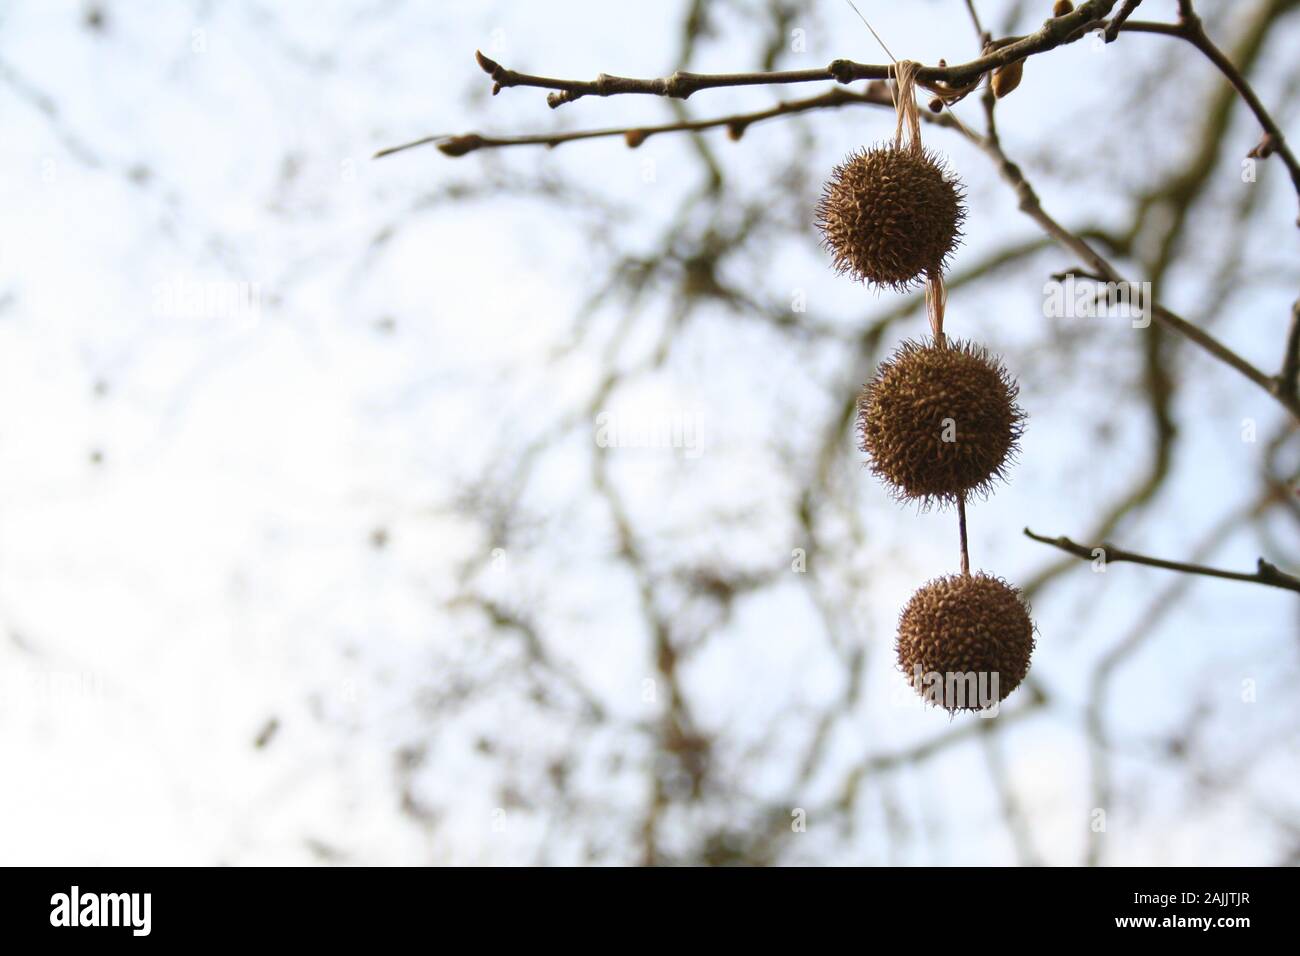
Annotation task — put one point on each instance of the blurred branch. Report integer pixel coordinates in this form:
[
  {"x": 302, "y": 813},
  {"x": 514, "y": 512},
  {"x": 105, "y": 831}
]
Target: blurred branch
[
  {"x": 1290, "y": 375},
  {"x": 982, "y": 34},
  {"x": 1265, "y": 573},
  {"x": 1013, "y": 813},
  {"x": 1202, "y": 338},
  {"x": 879, "y": 763},
  {"x": 1146, "y": 627},
  {"x": 504, "y": 618},
  {"x": 1190, "y": 28}
]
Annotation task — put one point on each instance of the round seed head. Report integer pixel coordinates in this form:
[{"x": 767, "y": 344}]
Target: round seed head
[
  {"x": 940, "y": 421},
  {"x": 963, "y": 625},
  {"x": 889, "y": 216}
]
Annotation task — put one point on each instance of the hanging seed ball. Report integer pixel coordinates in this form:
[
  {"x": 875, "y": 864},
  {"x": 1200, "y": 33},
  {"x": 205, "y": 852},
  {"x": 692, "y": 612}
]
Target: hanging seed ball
[
  {"x": 889, "y": 216},
  {"x": 940, "y": 421},
  {"x": 963, "y": 625}
]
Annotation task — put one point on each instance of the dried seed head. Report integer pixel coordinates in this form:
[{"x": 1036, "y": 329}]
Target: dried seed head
[
  {"x": 889, "y": 216},
  {"x": 963, "y": 625},
  {"x": 940, "y": 421}
]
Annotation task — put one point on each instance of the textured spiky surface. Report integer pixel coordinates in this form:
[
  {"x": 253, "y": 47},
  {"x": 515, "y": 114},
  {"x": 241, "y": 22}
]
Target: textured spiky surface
[
  {"x": 890, "y": 216},
  {"x": 940, "y": 421},
  {"x": 960, "y": 625}
]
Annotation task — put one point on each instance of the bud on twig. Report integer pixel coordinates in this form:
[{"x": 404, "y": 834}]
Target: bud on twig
[
  {"x": 1264, "y": 149},
  {"x": 1007, "y": 78},
  {"x": 460, "y": 145}
]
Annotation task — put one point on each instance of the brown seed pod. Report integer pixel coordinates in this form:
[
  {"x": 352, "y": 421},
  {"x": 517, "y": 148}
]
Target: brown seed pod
[
  {"x": 957, "y": 633},
  {"x": 889, "y": 216},
  {"x": 940, "y": 421}
]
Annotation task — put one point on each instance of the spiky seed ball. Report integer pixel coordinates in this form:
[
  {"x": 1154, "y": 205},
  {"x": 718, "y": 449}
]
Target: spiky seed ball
[
  {"x": 940, "y": 421},
  {"x": 963, "y": 625},
  {"x": 889, "y": 216}
]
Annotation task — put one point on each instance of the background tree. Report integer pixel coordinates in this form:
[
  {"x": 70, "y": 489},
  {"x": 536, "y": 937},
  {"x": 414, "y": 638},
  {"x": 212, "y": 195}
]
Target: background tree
[{"x": 383, "y": 552}]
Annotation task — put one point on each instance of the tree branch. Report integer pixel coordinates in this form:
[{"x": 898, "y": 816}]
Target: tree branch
[
  {"x": 1190, "y": 28},
  {"x": 1265, "y": 573},
  {"x": 984, "y": 37},
  {"x": 736, "y": 124},
  {"x": 1113, "y": 28},
  {"x": 1289, "y": 379},
  {"x": 681, "y": 84},
  {"x": 1053, "y": 33},
  {"x": 1206, "y": 341}
]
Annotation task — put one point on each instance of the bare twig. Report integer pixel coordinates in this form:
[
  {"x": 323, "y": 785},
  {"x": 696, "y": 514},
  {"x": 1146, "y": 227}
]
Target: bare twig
[
  {"x": 1052, "y": 34},
  {"x": 1280, "y": 387},
  {"x": 961, "y": 530},
  {"x": 682, "y": 84},
  {"x": 1113, "y": 28},
  {"x": 1289, "y": 379},
  {"x": 1103, "y": 675},
  {"x": 460, "y": 145},
  {"x": 980, "y": 32},
  {"x": 1265, "y": 573}
]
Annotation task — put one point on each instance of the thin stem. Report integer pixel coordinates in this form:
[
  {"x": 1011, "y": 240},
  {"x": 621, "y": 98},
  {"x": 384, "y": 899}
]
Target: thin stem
[
  {"x": 1112, "y": 30},
  {"x": 936, "y": 301},
  {"x": 1265, "y": 572},
  {"x": 984, "y": 37},
  {"x": 961, "y": 528},
  {"x": 736, "y": 124}
]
